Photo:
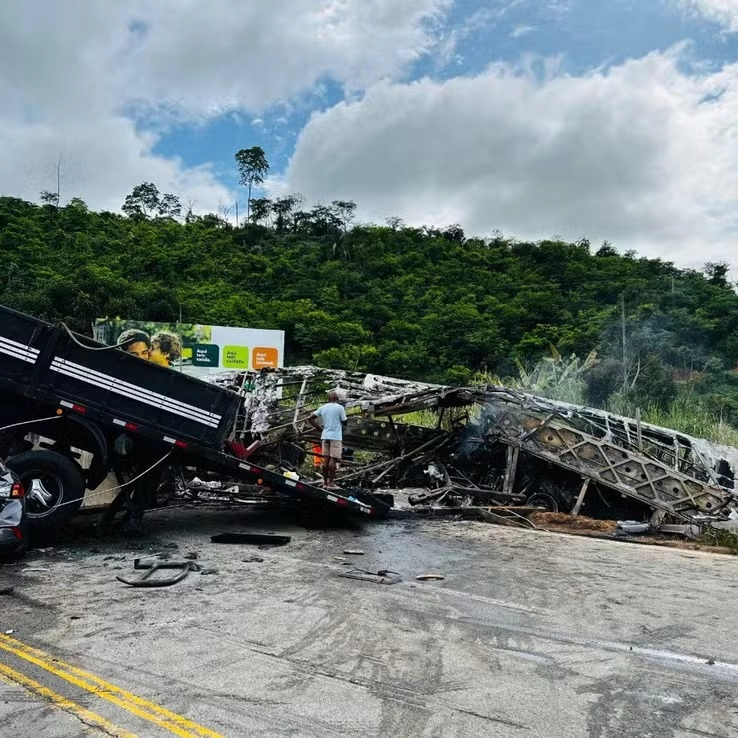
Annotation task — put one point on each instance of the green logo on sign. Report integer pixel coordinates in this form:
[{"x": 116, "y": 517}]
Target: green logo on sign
[
  {"x": 205, "y": 354},
  {"x": 235, "y": 357}
]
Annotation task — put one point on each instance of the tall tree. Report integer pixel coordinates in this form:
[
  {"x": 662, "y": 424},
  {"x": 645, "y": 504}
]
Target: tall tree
[
  {"x": 717, "y": 273},
  {"x": 170, "y": 206},
  {"x": 252, "y": 168},
  {"x": 143, "y": 200},
  {"x": 50, "y": 198},
  {"x": 282, "y": 208},
  {"x": 344, "y": 210}
]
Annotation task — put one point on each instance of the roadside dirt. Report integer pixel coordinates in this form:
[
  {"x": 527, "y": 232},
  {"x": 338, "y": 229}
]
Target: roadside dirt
[{"x": 579, "y": 525}]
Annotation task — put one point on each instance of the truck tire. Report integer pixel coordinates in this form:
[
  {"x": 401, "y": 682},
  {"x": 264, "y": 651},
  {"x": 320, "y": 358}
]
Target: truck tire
[
  {"x": 545, "y": 500},
  {"x": 55, "y": 486}
]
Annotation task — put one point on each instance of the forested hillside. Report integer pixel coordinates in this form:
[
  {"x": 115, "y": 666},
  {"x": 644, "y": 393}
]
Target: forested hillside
[{"x": 422, "y": 303}]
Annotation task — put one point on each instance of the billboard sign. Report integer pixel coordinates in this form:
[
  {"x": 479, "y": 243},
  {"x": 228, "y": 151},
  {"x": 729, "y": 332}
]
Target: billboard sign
[{"x": 198, "y": 349}]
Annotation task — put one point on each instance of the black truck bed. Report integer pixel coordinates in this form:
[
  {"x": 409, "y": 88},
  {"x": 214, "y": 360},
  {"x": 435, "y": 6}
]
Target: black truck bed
[{"x": 43, "y": 364}]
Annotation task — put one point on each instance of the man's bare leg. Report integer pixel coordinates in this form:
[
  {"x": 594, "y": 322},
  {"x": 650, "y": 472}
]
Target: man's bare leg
[{"x": 331, "y": 472}]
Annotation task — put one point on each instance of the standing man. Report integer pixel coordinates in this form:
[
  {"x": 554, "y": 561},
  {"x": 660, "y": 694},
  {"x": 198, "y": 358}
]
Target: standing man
[{"x": 334, "y": 419}]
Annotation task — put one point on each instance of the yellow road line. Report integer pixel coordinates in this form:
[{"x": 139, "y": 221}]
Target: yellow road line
[
  {"x": 176, "y": 724},
  {"x": 86, "y": 716}
]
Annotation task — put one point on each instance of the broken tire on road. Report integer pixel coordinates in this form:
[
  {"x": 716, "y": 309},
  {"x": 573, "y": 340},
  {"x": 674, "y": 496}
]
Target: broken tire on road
[{"x": 54, "y": 486}]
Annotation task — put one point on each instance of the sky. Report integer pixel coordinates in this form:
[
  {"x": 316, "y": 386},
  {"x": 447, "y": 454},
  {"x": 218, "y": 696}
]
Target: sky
[{"x": 608, "y": 120}]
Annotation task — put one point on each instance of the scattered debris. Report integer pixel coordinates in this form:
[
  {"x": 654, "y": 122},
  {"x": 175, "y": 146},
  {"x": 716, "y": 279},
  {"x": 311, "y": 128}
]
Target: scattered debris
[
  {"x": 562, "y": 522},
  {"x": 183, "y": 568},
  {"x": 633, "y": 527},
  {"x": 253, "y": 560},
  {"x": 430, "y": 577},
  {"x": 9, "y": 632},
  {"x": 7, "y": 590},
  {"x": 192, "y": 555},
  {"x": 354, "y": 552},
  {"x": 35, "y": 570},
  {"x": 254, "y": 538},
  {"x": 383, "y": 576},
  {"x": 205, "y": 572}
]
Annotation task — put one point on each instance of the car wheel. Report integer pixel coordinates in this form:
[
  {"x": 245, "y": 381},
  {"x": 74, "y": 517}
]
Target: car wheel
[{"x": 54, "y": 486}]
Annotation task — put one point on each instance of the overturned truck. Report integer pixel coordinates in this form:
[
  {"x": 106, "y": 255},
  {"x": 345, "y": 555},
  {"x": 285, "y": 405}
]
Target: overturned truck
[{"x": 490, "y": 445}]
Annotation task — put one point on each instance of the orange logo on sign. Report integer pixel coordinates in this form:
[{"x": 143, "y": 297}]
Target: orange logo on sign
[{"x": 265, "y": 357}]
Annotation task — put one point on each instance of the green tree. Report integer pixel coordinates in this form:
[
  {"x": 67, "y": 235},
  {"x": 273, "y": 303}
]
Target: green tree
[
  {"x": 50, "y": 198},
  {"x": 283, "y": 208},
  {"x": 345, "y": 210},
  {"x": 142, "y": 201},
  {"x": 169, "y": 206},
  {"x": 261, "y": 209},
  {"x": 252, "y": 168},
  {"x": 717, "y": 272}
]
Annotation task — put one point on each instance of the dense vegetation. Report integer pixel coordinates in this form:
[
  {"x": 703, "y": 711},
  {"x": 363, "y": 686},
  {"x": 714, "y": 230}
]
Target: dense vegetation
[{"x": 422, "y": 303}]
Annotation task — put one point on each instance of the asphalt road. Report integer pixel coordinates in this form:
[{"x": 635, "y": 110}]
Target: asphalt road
[{"x": 529, "y": 634}]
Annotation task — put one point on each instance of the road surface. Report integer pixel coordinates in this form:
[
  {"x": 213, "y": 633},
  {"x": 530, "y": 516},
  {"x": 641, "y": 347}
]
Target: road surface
[{"x": 529, "y": 634}]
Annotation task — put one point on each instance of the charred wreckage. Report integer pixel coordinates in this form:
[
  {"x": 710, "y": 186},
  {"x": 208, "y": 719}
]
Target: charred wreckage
[
  {"x": 486, "y": 446},
  {"x": 76, "y": 412}
]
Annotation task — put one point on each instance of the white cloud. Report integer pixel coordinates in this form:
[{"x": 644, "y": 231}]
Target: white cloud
[
  {"x": 640, "y": 154},
  {"x": 99, "y": 161},
  {"x": 226, "y": 54},
  {"x": 72, "y": 73},
  {"x": 520, "y": 31},
  {"x": 724, "y": 12}
]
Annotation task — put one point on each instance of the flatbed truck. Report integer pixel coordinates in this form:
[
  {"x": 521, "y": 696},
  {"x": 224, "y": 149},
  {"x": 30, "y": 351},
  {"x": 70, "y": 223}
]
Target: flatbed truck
[{"x": 80, "y": 395}]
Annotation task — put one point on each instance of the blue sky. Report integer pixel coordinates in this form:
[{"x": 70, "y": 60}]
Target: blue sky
[
  {"x": 582, "y": 34},
  {"x": 598, "y": 119}
]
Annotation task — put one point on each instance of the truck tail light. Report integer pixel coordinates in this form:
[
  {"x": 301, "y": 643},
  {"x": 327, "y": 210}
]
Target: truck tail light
[
  {"x": 17, "y": 533},
  {"x": 17, "y": 490}
]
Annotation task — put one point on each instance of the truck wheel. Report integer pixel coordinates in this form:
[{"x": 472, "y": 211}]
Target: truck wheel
[
  {"x": 543, "y": 499},
  {"x": 54, "y": 486}
]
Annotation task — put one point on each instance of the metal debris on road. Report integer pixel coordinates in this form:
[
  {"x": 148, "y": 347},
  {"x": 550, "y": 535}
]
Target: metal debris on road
[
  {"x": 261, "y": 539},
  {"x": 354, "y": 552},
  {"x": 430, "y": 577},
  {"x": 183, "y": 568},
  {"x": 383, "y": 576}
]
